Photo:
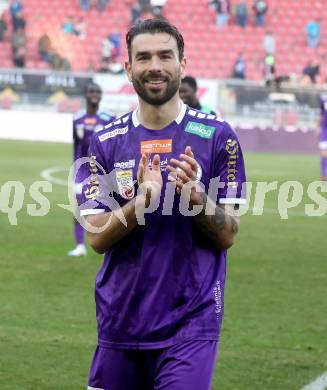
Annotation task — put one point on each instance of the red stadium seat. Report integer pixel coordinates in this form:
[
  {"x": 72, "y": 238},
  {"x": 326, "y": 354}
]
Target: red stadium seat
[{"x": 210, "y": 52}]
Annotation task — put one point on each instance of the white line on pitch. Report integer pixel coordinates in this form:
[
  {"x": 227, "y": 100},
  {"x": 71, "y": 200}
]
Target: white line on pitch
[
  {"x": 319, "y": 383},
  {"x": 291, "y": 213},
  {"x": 47, "y": 175}
]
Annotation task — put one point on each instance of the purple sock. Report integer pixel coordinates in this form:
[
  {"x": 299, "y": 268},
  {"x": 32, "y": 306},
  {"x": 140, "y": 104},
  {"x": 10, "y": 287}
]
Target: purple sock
[
  {"x": 79, "y": 233},
  {"x": 323, "y": 165}
]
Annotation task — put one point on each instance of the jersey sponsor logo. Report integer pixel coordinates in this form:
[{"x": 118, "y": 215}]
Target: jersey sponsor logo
[
  {"x": 157, "y": 146},
  {"x": 232, "y": 149},
  {"x": 218, "y": 298},
  {"x": 125, "y": 184},
  {"x": 163, "y": 164},
  {"x": 113, "y": 133},
  {"x": 105, "y": 117},
  {"x": 92, "y": 192},
  {"x": 90, "y": 121},
  {"x": 125, "y": 164},
  {"x": 200, "y": 129},
  {"x": 80, "y": 130}
]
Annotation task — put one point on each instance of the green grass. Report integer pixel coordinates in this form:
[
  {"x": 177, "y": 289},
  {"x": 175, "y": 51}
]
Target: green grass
[{"x": 274, "y": 330}]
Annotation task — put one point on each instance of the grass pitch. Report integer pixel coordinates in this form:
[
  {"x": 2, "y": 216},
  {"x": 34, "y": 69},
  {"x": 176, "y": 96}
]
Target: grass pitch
[{"x": 274, "y": 330}]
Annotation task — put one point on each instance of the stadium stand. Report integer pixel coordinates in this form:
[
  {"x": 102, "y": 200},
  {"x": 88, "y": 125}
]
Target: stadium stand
[{"x": 210, "y": 52}]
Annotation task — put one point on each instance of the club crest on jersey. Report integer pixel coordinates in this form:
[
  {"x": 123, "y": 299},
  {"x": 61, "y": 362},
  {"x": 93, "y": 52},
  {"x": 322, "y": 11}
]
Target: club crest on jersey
[
  {"x": 125, "y": 183},
  {"x": 80, "y": 130}
]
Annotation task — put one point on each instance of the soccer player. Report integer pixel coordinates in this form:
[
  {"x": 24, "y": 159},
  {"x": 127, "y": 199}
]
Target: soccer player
[
  {"x": 160, "y": 290},
  {"x": 322, "y": 132},
  {"x": 84, "y": 125},
  {"x": 188, "y": 91}
]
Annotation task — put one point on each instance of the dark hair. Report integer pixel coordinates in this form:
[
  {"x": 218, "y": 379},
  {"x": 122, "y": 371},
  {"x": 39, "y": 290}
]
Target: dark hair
[
  {"x": 90, "y": 85},
  {"x": 154, "y": 26},
  {"x": 191, "y": 82}
]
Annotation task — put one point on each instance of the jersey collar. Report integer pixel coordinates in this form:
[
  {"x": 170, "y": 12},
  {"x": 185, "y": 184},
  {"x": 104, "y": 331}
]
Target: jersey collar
[{"x": 178, "y": 120}]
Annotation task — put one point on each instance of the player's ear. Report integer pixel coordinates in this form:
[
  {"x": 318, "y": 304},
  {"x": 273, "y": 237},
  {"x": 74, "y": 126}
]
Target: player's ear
[{"x": 128, "y": 70}]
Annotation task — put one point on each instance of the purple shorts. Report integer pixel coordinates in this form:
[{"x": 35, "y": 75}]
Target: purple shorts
[{"x": 185, "y": 366}]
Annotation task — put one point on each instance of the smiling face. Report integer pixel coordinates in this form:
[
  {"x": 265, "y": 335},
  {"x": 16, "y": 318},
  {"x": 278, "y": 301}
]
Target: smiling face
[
  {"x": 93, "y": 95},
  {"x": 155, "y": 69}
]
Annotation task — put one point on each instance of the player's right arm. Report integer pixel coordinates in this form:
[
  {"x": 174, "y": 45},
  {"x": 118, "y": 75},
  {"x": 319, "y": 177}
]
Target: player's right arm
[
  {"x": 116, "y": 229},
  {"x": 150, "y": 180}
]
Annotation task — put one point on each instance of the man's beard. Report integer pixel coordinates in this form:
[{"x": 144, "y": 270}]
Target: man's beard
[
  {"x": 172, "y": 88},
  {"x": 93, "y": 104}
]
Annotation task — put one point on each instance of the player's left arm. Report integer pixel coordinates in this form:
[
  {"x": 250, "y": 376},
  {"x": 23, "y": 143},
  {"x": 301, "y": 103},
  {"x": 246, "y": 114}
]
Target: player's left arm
[{"x": 222, "y": 224}]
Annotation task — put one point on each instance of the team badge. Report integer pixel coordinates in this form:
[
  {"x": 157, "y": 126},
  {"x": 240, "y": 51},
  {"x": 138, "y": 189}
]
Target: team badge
[
  {"x": 125, "y": 183},
  {"x": 80, "y": 130}
]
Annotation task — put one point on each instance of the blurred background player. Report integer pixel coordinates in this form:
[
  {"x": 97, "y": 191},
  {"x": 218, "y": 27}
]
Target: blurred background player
[
  {"x": 85, "y": 123},
  {"x": 322, "y": 132},
  {"x": 188, "y": 91}
]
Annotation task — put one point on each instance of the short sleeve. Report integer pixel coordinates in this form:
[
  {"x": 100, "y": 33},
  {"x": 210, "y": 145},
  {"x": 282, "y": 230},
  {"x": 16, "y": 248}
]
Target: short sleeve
[
  {"x": 229, "y": 167},
  {"x": 98, "y": 183}
]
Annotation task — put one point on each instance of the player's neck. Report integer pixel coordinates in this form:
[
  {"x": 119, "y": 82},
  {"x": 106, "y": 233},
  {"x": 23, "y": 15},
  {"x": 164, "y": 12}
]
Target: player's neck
[
  {"x": 195, "y": 104},
  {"x": 92, "y": 110},
  {"x": 158, "y": 117}
]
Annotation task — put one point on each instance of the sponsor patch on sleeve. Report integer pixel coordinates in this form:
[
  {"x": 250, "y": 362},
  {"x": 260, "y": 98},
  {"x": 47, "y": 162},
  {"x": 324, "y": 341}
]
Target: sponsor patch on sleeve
[
  {"x": 232, "y": 150},
  {"x": 113, "y": 133}
]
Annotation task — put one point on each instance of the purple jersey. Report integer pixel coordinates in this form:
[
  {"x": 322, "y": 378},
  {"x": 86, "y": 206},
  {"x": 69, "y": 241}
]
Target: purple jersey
[
  {"x": 164, "y": 282},
  {"x": 323, "y": 113},
  {"x": 84, "y": 125}
]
